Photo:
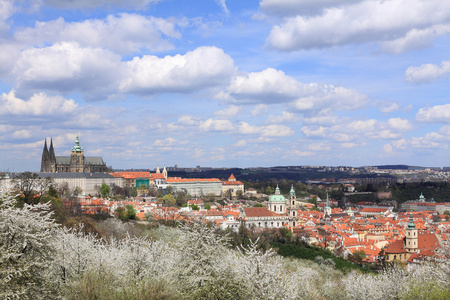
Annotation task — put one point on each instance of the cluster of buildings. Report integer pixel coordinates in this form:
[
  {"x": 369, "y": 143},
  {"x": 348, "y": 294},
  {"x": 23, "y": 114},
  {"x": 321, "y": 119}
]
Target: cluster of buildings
[
  {"x": 378, "y": 232},
  {"x": 87, "y": 174}
]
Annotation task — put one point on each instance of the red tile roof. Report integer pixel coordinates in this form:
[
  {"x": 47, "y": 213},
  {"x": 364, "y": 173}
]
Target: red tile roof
[
  {"x": 397, "y": 246},
  {"x": 131, "y": 175},
  {"x": 192, "y": 180},
  {"x": 252, "y": 212}
]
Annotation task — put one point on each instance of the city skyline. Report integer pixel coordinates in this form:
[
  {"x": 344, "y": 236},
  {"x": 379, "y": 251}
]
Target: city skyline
[{"x": 226, "y": 83}]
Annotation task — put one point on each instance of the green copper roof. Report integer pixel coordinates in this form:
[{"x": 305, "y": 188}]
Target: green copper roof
[
  {"x": 328, "y": 202},
  {"x": 411, "y": 224},
  {"x": 292, "y": 192},
  {"x": 422, "y": 197},
  {"x": 77, "y": 147},
  {"x": 277, "y": 197}
]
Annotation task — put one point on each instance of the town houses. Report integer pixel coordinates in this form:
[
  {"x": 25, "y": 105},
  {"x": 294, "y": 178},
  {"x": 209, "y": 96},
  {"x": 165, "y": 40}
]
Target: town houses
[{"x": 381, "y": 235}]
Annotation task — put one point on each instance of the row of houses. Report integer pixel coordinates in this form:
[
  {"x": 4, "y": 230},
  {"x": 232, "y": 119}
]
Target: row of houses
[{"x": 89, "y": 183}]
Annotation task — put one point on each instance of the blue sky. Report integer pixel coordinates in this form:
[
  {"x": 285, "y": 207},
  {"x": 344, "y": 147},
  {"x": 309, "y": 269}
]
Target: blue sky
[{"x": 226, "y": 83}]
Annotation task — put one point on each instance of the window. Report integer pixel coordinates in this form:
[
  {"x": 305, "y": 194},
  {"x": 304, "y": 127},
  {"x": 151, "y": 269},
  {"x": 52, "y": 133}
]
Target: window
[
  {"x": 293, "y": 213},
  {"x": 293, "y": 224},
  {"x": 395, "y": 256}
]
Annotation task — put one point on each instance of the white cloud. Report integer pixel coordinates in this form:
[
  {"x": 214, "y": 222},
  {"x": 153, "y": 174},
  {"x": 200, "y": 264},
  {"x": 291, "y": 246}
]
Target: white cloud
[
  {"x": 67, "y": 67},
  {"x": 415, "y": 39},
  {"x": 300, "y": 7},
  {"x": 329, "y": 98},
  {"x": 355, "y": 131},
  {"x": 259, "y": 109},
  {"x": 223, "y": 5},
  {"x": 437, "y": 113},
  {"x": 274, "y": 86},
  {"x": 84, "y": 4},
  {"x": 204, "y": 67},
  {"x": 399, "y": 124},
  {"x": 297, "y": 153},
  {"x": 216, "y": 125},
  {"x": 229, "y": 112},
  {"x": 240, "y": 143},
  {"x": 38, "y": 105},
  {"x": 361, "y": 22},
  {"x": 165, "y": 142},
  {"x": 426, "y": 72},
  {"x": 387, "y": 107},
  {"x": 124, "y": 34},
  {"x": 433, "y": 140},
  {"x": 285, "y": 117},
  {"x": 22, "y": 134}
]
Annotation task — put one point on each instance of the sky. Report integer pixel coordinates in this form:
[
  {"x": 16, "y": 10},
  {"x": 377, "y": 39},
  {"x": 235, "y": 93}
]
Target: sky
[{"x": 226, "y": 83}]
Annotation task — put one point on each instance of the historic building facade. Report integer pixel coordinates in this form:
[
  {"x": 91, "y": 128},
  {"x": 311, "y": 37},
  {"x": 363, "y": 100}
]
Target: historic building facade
[{"x": 75, "y": 163}]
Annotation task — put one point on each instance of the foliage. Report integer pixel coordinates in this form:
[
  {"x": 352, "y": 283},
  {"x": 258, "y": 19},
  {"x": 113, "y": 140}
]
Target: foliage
[
  {"x": 105, "y": 190},
  {"x": 207, "y": 206},
  {"x": 311, "y": 253},
  {"x": 258, "y": 205},
  {"x": 169, "y": 200},
  {"x": 126, "y": 213}
]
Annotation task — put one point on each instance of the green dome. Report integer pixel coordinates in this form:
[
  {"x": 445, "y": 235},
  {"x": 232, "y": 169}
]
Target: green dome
[{"x": 277, "y": 197}]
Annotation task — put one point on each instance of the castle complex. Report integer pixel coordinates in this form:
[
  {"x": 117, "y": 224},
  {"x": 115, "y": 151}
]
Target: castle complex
[{"x": 75, "y": 163}]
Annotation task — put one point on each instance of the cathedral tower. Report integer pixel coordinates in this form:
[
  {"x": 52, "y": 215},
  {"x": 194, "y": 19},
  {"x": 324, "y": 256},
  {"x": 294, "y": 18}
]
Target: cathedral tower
[{"x": 77, "y": 158}]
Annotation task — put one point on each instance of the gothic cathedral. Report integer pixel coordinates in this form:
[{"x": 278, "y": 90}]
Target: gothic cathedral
[{"x": 75, "y": 163}]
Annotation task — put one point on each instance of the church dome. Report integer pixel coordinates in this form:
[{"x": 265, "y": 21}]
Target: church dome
[{"x": 277, "y": 197}]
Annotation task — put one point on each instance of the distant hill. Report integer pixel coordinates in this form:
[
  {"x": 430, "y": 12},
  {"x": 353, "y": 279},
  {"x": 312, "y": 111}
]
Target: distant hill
[{"x": 393, "y": 167}]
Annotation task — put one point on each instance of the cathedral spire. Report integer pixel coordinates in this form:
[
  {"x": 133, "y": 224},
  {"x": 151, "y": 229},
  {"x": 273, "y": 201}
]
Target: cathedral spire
[
  {"x": 45, "y": 157},
  {"x": 45, "y": 147},
  {"x": 52, "y": 151}
]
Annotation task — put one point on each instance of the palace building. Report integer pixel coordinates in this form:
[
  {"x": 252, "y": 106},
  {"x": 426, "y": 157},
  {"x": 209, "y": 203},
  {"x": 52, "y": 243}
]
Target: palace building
[{"x": 75, "y": 163}]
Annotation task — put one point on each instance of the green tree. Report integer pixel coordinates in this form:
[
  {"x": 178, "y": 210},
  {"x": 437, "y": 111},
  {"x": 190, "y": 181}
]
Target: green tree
[
  {"x": 126, "y": 213},
  {"x": 357, "y": 256},
  {"x": 258, "y": 205},
  {"x": 195, "y": 207},
  {"x": 105, "y": 189},
  {"x": 313, "y": 200},
  {"x": 169, "y": 200},
  {"x": 207, "y": 206}
]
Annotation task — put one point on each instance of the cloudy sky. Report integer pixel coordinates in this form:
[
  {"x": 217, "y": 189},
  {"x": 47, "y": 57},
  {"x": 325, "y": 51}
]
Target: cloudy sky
[{"x": 226, "y": 83}]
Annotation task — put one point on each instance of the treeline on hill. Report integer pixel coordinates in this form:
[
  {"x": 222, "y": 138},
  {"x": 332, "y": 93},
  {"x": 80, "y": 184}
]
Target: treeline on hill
[{"x": 271, "y": 174}]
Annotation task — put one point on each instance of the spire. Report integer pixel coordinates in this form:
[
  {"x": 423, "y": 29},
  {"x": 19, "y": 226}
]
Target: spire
[
  {"x": 52, "y": 151},
  {"x": 44, "y": 159},
  {"x": 45, "y": 147},
  {"x": 77, "y": 147},
  {"x": 292, "y": 192},
  {"x": 164, "y": 172},
  {"x": 411, "y": 224},
  {"x": 328, "y": 202},
  {"x": 277, "y": 190},
  {"x": 157, "y": 170}
]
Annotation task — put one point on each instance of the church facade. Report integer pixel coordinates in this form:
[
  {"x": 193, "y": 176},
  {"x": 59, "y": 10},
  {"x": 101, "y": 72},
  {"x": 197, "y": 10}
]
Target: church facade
[{"x": 75, "y": 163}]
